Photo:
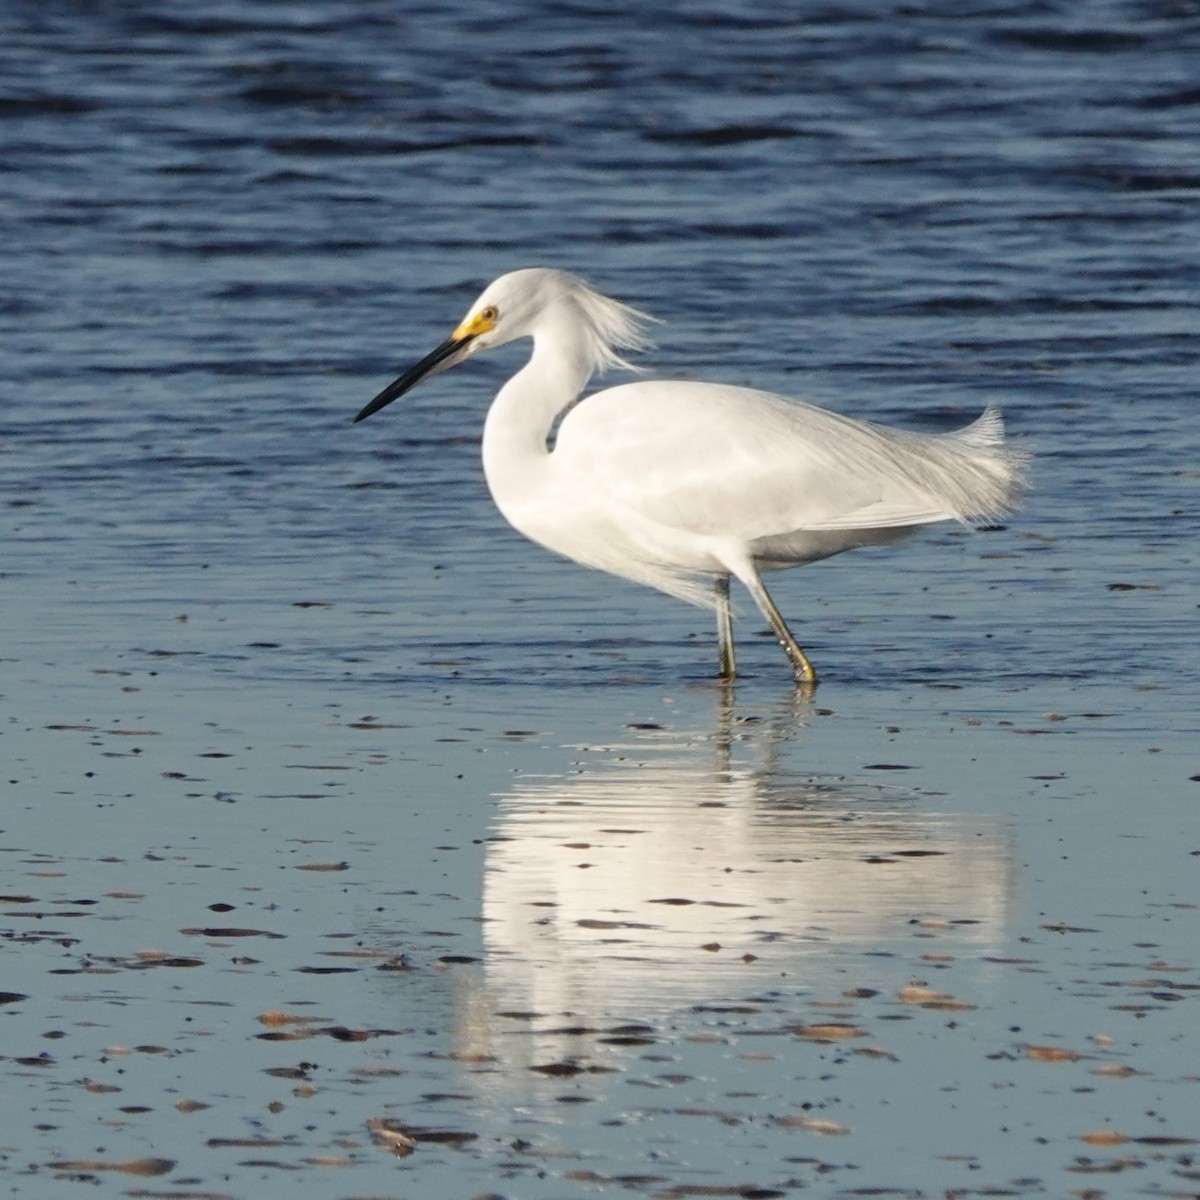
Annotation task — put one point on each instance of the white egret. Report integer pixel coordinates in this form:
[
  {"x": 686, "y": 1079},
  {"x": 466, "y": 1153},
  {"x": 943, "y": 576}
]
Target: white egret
[{"x": 667, "y": 483}]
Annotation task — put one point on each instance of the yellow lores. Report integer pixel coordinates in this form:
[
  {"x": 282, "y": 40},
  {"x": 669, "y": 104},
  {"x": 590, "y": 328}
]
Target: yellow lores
[
  {"x": 484, "y": 321},
  {"x": 674, "y": 483}
]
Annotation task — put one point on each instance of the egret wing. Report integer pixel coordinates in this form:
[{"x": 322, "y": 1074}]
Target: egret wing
[{"x": 736, "y": 462}]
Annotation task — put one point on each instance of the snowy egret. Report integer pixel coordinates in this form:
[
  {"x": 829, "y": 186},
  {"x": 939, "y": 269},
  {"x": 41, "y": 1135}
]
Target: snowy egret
[{"x": 667, "y": 483}]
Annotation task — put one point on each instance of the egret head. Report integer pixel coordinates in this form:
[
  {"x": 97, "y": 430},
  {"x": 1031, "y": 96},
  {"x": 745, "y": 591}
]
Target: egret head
[{"x": 520, "y": 304}]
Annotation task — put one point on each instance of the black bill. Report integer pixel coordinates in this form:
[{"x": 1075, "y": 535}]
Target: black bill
[{"x": 444, "y": 357}]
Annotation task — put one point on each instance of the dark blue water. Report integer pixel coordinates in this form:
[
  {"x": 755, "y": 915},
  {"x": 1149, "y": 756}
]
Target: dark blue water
[{"x": 224, "y": 229}]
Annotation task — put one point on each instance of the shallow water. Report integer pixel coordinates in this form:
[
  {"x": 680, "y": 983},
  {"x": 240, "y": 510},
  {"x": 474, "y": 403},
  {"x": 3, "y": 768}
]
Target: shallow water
[{"x": 331, "y": 802}]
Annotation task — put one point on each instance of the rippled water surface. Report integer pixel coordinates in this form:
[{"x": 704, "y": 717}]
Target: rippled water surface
[{"x": 353, "y": 846}]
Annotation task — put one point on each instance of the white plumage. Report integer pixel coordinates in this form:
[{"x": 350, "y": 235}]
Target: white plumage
[{"x": 669, "y": 483}]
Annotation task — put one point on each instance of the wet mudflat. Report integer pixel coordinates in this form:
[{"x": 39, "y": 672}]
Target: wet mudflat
[
  {"x": 352, "y": 847},
  {"x": 738, "y": 948}
]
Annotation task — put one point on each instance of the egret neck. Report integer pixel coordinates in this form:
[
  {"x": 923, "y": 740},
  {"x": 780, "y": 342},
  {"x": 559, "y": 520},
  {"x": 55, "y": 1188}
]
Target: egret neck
[{"x": 517, "y": 431}]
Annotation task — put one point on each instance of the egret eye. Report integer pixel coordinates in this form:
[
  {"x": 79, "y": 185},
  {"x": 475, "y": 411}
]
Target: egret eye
[{"x": 489, "y": 314}]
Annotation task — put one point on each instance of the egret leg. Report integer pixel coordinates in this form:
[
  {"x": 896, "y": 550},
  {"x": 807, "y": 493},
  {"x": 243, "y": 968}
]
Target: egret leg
[
  {"x": 728, "y": 667},
  {"x": 805, "y": 675}
]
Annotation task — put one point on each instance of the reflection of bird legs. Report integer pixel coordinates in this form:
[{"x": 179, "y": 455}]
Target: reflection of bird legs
[
  {"x": 768, "y": 732},
  {"x": 806, "y": 676}
]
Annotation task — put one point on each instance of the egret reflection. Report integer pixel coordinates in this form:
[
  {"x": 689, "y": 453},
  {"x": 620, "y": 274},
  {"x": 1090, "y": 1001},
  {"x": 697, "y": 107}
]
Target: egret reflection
[{"x": 673, "y": 870}]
